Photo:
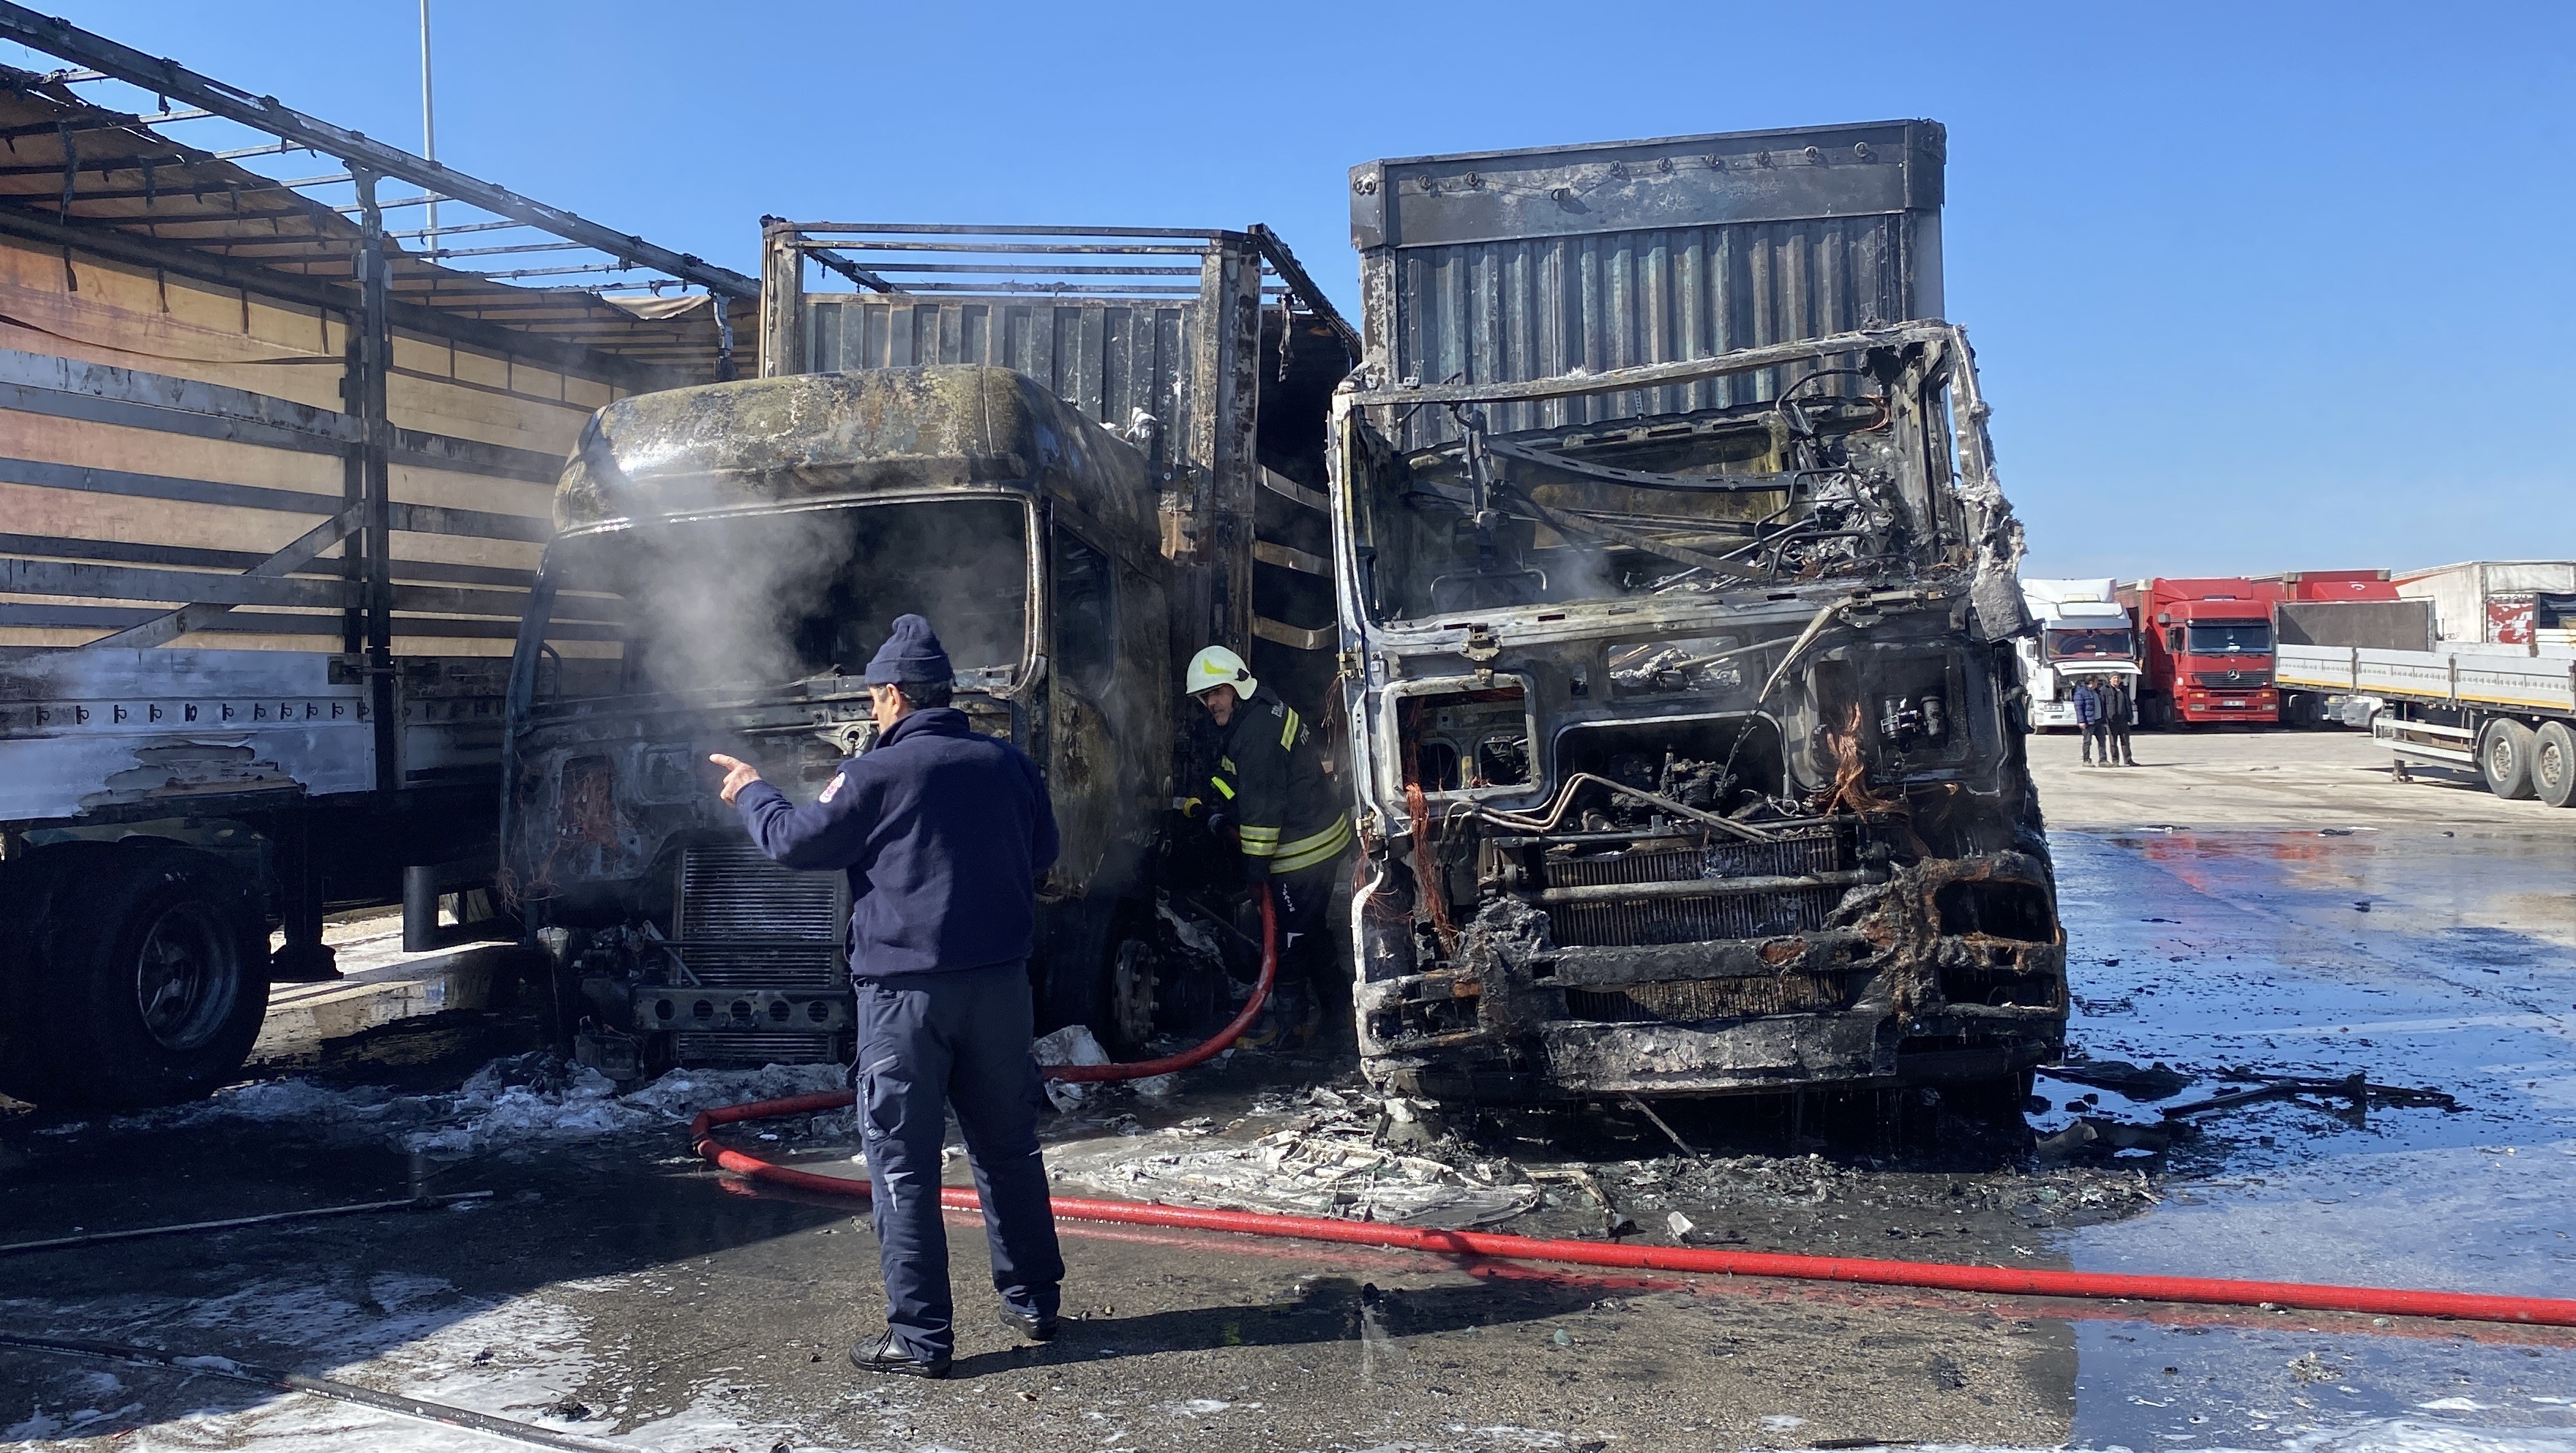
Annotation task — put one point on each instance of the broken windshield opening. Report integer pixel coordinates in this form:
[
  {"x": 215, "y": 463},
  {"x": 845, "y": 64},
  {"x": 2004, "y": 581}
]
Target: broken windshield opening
[
  {"x": 1818, "y": 483},
  {"x": 764, "y": 601}
]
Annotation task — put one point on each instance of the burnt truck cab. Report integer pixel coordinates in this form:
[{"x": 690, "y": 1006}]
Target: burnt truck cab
[
  {"x": 726, "y": 559},
  {"x": 1686, "y": 757}
]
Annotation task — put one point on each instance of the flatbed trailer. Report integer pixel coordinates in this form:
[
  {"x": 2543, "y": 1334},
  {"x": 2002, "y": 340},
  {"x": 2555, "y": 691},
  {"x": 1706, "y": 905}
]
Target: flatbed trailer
[{"x": 2501, "y": 711}]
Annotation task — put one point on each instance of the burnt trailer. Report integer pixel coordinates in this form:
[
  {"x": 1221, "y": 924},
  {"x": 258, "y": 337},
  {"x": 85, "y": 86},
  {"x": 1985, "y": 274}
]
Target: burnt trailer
[
  {"x": 275, "y": 464},
  {"x": 1679, "y": 665},
  {"x": 1080, "y": 471}
]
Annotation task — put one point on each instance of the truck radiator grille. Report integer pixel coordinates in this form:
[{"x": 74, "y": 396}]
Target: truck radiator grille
[
  {"x": 747, "y": 921},
  {"x": 1690, "y": 1000},
  {"x": 1697, "y": 920},
  {"x": 2232, "y": 680},
  {"x": 755, "y": 1047}
]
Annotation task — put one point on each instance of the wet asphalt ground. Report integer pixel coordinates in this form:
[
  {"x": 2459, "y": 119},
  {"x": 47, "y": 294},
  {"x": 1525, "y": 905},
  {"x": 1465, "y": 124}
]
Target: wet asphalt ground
[{"x": 2292, "y": 911}]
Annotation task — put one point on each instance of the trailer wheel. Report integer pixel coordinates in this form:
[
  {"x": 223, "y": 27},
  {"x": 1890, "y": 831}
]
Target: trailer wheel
[
  {"x": 2504, "y": 758},
  {"x": 157, "y": 979},
  {"x": 2553, "y": 764}
]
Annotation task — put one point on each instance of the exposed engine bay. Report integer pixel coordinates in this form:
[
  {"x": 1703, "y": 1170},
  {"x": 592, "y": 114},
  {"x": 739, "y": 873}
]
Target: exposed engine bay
[{"x": 1687, "y": 757}]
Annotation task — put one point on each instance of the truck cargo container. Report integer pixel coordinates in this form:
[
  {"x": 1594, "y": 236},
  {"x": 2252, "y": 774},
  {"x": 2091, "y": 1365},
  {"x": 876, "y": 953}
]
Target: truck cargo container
[
  {"x": 1678, "y": 601},
  {"x": 2206, "y": 650},
  {"x": 2083, "y": 632},
  {"x": 275, "y": 477},
  {"x": 2529, "y": 603}
]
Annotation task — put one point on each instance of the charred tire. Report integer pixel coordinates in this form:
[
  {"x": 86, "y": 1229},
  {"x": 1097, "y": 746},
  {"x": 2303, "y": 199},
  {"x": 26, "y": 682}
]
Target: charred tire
[
  {"x": 155, "y": 970},
  {"x": 2504, "y": 758},
  {"x": 2553, "y": 764}
]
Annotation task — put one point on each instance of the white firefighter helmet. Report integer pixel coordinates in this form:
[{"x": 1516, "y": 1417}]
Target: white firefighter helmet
[{"x": 1214, "y": 667}]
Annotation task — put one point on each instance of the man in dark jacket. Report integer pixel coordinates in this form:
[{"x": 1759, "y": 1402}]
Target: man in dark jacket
[
  {"x": 1271, "y": 791},
  {"x": 2119, "y": 704},
  {"x": 2088, "y": 720},
  {"x": 943, "y": 833}
]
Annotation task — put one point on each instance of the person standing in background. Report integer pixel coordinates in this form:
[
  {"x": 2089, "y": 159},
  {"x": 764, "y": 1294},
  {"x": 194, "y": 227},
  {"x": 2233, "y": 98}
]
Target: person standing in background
[
  {"x": 2119, "y": 708},
  {"x": 2088, "y": 720}
]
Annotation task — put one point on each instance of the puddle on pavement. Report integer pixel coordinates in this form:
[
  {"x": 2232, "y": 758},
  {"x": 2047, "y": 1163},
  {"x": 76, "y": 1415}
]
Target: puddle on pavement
[{"x": 2416, "y": 957}]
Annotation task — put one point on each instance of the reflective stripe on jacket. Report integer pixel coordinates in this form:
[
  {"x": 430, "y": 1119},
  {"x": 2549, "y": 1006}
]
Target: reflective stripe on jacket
[{"x": 1273, "y": 784}]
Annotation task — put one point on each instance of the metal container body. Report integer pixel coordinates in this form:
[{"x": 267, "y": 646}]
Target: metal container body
[
  {"x": 1507, "y": 266},
  {"x": 1107, "y": 359}
]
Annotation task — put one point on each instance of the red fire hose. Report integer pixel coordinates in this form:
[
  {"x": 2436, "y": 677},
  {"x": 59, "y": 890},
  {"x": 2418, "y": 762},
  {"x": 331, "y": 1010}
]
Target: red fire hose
[
  {"x": 1145, "y": 1069},
  {"x": 2000, "y": 1280}
]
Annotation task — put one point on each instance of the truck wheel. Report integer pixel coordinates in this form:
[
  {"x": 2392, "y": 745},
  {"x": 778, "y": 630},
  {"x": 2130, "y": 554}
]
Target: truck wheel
[
  {"x": 2553, "y": 764},
  {"x": 2504, "y": 758},
  {"x": 157, "y": 979},
  {"x": 1134, "y": 994}
]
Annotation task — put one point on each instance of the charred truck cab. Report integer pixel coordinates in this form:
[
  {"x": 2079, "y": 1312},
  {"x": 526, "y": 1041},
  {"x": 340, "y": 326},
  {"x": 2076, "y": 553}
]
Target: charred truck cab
[
  {"x": 726, "y": 559},
  {"x": 1686, "y": 763},
  {"x": 1678, "y": 607}
]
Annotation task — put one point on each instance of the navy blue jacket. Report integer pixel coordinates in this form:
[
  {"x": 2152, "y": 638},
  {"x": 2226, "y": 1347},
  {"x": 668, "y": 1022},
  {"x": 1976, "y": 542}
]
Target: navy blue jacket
[
  {"x": 942, "y": 832},
  {"x": 2088, "y": 705}
]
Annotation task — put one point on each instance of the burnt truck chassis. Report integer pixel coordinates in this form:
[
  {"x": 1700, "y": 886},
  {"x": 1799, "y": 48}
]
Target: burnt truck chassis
[{"x": 1799, "y": 850}]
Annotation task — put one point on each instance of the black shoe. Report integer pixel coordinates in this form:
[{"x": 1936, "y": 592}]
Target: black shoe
[
  {"x": 888, "y": 1356},
  {"x": 1035, "y": 1326}
]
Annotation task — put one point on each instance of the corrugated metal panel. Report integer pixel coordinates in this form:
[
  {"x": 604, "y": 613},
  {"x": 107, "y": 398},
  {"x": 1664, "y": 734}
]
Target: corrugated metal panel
[
  {"x": 1509, "y": 266},
  {"x": 1106, "y": 358}
]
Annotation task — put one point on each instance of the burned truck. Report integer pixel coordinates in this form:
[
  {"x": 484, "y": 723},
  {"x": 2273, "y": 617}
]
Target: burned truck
[
  {"x": 728, "y": 557},
  {"x": 1680, "y": 689}
]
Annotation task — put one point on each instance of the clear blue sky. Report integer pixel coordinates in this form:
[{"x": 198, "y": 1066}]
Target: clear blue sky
[{"x": 2254, "y": 287}]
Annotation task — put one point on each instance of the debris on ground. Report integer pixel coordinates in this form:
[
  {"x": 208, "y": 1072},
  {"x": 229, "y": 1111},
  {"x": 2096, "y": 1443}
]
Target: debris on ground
[
  {"x": 2157, "y": 1081},
  {"x": 1072, "y": 1045},
  {"x": 2359, "y": 1092},
  {"x": 1338, "y": 1158},
  {"x": 2092, "y": 1135}
]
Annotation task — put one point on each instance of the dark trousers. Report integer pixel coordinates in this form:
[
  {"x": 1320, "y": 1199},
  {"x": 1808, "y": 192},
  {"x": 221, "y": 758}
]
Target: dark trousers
[
  {"x": 2117, "y": 749},
  {"x": 928, "y": 1043},
  {"x": 1305, "y": 946},
  {"x": 2097, "y": 737}
]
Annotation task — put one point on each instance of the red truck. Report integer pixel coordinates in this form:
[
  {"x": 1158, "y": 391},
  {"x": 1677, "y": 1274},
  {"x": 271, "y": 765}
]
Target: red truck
[
  {"x": 2330, "y": 585},
  {"x": 2206, "y": 650}
]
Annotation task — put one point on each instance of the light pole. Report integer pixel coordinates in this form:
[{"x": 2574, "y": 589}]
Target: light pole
[{"x": 428, "y": 125}]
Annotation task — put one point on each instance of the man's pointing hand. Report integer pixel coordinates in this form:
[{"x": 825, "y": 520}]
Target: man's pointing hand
[{"x": 738, "y": 774}]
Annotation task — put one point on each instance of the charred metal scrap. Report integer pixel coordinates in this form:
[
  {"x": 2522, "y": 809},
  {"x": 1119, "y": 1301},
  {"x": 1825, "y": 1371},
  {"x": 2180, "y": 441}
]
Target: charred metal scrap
[{"x": 1683, "y": 732}]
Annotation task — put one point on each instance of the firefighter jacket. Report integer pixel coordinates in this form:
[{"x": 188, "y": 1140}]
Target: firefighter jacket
[{"x": 1271, "y": 782}]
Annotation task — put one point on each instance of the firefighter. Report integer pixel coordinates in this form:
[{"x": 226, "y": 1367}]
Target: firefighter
[
  {"x": 943, "y": 833},
  {"x": 1271, "y": 792}
]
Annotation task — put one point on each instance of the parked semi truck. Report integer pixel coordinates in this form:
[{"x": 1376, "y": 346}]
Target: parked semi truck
[
  {"x": 2083, "y": 631},
  {"x": 1678, "y": 607},
  {"x": 2206, "y": 651},
  {"x": 275, "y": 480},
  {"x": 1079, "y": 470}
]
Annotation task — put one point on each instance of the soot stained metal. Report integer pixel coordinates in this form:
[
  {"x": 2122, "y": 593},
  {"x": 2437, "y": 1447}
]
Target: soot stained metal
[
  {"x": 1686, "y": 755},
  {"x": 728, "y": 556},
  {"x": 1677, "y": 599}
]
